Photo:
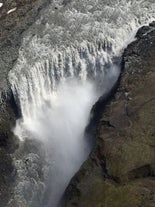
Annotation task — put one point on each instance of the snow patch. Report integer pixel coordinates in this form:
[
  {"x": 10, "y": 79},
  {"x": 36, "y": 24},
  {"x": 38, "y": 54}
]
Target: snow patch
[
  {"x": 12, "y": 10},
  {"x": 1, "y": 4}
]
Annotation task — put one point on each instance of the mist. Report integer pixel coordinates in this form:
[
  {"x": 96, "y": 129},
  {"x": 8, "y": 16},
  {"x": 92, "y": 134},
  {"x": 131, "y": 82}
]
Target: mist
[{"x": 59, "y": 123}]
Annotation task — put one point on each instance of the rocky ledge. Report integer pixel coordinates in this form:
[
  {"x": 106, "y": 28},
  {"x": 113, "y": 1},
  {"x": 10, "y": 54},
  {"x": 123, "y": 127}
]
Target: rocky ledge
[{"x": 120, "y": 171}]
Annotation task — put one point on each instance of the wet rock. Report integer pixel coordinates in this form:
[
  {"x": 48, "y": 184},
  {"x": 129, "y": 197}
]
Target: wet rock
[
  {"x": 7, "y": 173},
  {"x": 121, "y": 168},
  {"x": 143, "y": 31},
  {"x": 152, "y": 24}
]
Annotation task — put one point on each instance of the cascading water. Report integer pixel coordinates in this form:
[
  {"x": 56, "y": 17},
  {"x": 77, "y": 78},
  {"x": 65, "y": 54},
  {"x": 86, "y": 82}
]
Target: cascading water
[{"x": 67, "y": 59}]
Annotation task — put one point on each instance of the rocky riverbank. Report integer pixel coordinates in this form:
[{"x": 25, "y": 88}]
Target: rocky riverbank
[{"x": 120, "y": 171}]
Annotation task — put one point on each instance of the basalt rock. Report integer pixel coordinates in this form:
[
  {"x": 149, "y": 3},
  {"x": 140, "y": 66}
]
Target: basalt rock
[{"x": 120, "y": 171}]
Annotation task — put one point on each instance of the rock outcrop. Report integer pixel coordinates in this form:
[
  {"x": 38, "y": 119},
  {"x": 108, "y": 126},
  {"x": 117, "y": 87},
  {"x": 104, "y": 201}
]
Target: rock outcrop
[{"x": 120, "y": 171}]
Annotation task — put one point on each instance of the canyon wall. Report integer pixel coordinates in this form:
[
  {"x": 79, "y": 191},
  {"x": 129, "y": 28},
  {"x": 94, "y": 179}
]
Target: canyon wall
[{"x": 121, "y": 168}]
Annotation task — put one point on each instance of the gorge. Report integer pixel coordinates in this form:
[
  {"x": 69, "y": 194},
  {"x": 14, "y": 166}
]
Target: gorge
[{"x": 68, "y": 58}]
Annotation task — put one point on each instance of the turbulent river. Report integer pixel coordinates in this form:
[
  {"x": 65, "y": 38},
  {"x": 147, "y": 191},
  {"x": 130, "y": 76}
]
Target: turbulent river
[{"x": 68, "y": 58}]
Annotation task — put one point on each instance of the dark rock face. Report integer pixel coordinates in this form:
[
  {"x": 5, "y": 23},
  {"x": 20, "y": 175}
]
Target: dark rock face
[
  {"x": 12, "y": 25},
  {"x": 8, "y": 143},
  {"x": 120, "y": 171},
  {"x": 7, "y": 122}
]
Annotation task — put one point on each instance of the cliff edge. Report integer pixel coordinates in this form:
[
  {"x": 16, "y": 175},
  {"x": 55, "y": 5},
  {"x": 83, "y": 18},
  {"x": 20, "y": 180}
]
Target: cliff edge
[{"x": 120, "y": 171}]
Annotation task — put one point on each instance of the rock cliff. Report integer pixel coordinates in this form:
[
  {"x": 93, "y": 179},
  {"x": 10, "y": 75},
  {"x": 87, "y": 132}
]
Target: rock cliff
[{"x": 120, "y": 171}]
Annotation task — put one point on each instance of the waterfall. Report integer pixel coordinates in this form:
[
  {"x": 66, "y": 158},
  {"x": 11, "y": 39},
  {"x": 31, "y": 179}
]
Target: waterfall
[{"x": 68, "y": 58}]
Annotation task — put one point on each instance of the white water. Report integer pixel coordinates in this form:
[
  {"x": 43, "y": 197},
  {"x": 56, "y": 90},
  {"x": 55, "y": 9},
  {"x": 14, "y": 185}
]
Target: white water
[{"x": 66, "y": 61}]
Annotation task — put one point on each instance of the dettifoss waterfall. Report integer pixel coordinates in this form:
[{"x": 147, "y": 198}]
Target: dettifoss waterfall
[{"x": 68, "y": 58}]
